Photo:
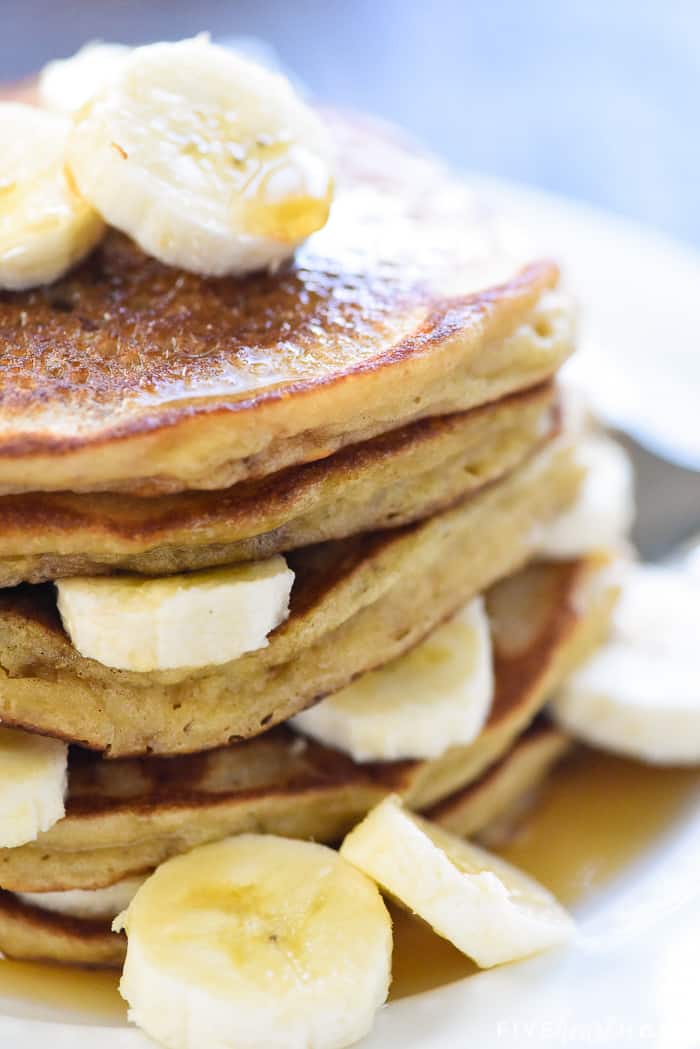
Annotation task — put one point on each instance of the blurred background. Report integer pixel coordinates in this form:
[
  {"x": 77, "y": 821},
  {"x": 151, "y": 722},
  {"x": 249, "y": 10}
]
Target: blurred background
[{"x": 596, "y": 99}]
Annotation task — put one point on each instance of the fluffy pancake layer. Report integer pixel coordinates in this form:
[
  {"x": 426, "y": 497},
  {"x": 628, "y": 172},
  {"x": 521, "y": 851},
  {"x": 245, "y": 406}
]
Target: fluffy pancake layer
[
  {"x": 356, "y": 604},
  {"x": 400, "y": 477},
  {"x": 129, "y": 375}
]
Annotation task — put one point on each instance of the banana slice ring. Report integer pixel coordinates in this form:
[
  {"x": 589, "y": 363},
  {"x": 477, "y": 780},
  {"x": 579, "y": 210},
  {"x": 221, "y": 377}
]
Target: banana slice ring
[
  {"x": 46, "y": 226},
  {"x": 256, "y": 941},
  {"x": 207, "y": 160}
]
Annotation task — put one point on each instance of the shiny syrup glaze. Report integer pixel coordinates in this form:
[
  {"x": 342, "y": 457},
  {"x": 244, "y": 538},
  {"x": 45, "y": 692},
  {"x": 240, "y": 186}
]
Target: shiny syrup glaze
[{"x": 586, "y": 828}]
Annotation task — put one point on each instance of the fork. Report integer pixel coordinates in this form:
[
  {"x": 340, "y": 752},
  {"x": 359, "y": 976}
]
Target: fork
[{"x": 668, "y": 505}]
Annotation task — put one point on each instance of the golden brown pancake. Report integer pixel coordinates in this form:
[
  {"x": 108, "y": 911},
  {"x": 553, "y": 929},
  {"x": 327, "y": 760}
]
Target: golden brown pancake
[
  {"x": 129, "y": 375},
  {"x": 124, "y": 817},
  {"x": 33, "y": 934},
  {"x": 394, "y": 479},
  {"x": 356, "y": 604},
  {"x": 132, "y": 813}
]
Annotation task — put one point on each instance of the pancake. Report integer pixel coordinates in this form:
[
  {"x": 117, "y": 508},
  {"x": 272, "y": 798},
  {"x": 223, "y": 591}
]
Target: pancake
[
  {"x": 30, "y": 932},
  {"x": 130, "y": 814},
  {"x": 129, "y": 375},
  {"x": 126, "y": 816},
  {"x": 33, "y": 934},
  {"x": 394, "y": 479},
  {"x": 356, "y": 604},
  {"x": 502, "y": 790}
]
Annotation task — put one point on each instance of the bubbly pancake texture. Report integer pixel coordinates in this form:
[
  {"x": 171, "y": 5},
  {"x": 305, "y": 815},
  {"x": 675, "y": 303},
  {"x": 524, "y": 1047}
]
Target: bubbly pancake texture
[
  {"x": 131, "y": 375},
  {"x": 394, "y": 479},
  {"x": 355, "y": 604}
]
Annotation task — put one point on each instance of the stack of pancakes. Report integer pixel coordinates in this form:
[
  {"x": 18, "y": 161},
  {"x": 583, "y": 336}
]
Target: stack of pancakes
[{"x": 382, "y": 413}]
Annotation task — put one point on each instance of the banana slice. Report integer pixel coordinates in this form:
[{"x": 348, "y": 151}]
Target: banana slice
[
  {"x": 46, "y": 226},
  {"x": 253, "y": 942},
  {"x": 68, "y": 83},
  {"x": 603, "y": 514},
  {"x": 193, "y": 620},
  {"x": 436, "y": 696},
  {"x": 208, "y": 160},
  {"x": 490, "y": 911},
  {"x": 93, "y": 904},
  {"x": 640, "y": 693},
  {"x": 33, "y": 782}
]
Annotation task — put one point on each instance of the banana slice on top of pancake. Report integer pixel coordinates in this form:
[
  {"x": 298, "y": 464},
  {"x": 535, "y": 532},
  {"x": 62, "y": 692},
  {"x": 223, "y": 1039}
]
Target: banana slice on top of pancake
[
  {"x": 33, "y": 784},
  {"x": 640, "y": 693},
  {"x": 196, "y": 619},
  {"x": 437, "y": 695},
  {"x": 46, "y": 225},
  {"x": 488, "y": 909},
  {"x": 259, "y": 942},
  {"x": 206, "y": 159},
  {"x": 603, "y": 513},
  {"x": 66, "y": 84}
]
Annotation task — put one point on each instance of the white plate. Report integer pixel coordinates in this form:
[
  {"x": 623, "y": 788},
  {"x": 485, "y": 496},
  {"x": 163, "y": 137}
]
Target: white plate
[
  {"x": 640, "y": 349},
  {"x": 630, "y": 980}
]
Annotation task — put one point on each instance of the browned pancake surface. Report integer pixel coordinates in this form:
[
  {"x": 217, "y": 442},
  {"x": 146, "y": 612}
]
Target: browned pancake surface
[{"x": 131, "y": 374}]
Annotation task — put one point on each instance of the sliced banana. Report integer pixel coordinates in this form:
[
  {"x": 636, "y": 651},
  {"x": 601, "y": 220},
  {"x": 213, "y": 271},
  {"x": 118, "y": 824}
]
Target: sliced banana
[
  {"x": 94, "y": 904},
  {"x": 33, "y": 782},
  {"x": 46, "y": 226},
  {"x": 436, "y": 696},
  {"x": 66, "y": 84},
  {"x": 196, "y": 619},
  {"x": 488, "y": 909},
  {"x": 208, "y": 160},
  {"x": 256, "y": 942},
  {"x": 603, "y": 514},
  {"x": 640, "y": 693}
]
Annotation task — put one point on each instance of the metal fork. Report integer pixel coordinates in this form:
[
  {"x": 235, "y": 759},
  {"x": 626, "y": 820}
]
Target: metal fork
[{"x": 668, "y": 505}]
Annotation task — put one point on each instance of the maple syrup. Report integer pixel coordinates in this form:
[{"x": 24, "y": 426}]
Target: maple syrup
[
  {"x": 596, "y": 815},
  {"x": 91, "y": 992}
]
